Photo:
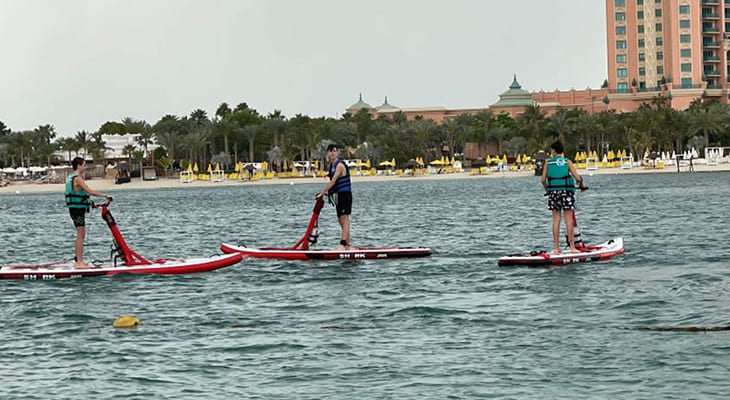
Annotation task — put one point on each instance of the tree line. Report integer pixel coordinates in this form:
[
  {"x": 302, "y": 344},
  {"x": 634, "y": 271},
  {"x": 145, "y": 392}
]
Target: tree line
[{"x": 243, "y": 134}]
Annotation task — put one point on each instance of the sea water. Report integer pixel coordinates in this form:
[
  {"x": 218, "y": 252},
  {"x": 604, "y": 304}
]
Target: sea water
[{"x": 450, "y": 326}]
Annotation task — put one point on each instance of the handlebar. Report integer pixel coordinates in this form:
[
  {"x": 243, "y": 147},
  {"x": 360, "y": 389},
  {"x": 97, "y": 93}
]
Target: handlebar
[{"x": 103, "y": 204}]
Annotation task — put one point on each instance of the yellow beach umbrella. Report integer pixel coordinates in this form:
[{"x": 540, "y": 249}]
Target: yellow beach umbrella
[
  {"x": 392, "y": 162},
  {"x": 217, "y": 167},
  {"x": 316, "y": 164},
  {"x": 385, "y": 163},
  {"x": 444, "y": 161},
  {"x": 453, "y": 160},
  {"x": 525, "y": 158},
  {"x": 210, "y": 169},
  {"x": 190, "y": 168},
  {"x": 436, "y": 162},
  {"x": 611, "y": 155},
  {"x": 504, "y": 159},
  {"x": 519, "y": 159},
  {"x": 195, "y": 167},
  {"x": 367, "y": 164},
  {"x": 264, "y": 166},
  {"x": 236, "y": 168}
]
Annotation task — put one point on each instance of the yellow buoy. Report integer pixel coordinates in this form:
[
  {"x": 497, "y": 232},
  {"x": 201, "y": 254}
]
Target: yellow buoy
[{"x": 126, "y": 321}]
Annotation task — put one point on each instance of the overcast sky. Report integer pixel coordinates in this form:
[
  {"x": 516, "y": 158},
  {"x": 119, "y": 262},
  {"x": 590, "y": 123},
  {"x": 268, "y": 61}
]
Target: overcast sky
[{"x": 76, "y": 64}]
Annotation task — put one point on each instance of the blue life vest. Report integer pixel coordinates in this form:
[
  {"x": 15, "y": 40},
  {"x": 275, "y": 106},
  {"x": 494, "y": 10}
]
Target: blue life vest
[
  {"x": 343, "y": 183},
  {"x": 75, "y": 199},
  {"x": 558, "y": 175}
]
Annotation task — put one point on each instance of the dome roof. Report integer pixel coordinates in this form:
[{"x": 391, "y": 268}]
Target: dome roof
[
  {"x": 360, "y": 105},
  {"x": 386, "y": 105}
]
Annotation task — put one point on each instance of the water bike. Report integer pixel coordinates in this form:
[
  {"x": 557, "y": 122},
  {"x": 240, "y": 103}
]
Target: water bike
[
  {"x": 302, "y": 251},
  {"x": 542, "y": 258},
  {"x": 124, "y": 261}
]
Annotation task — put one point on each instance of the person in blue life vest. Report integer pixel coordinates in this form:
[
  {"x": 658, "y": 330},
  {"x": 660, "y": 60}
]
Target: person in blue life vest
[
  {"x": 78, "y": 204},
  {"x": 558, "y": 178},
  {"x": 339, "y": 188}
]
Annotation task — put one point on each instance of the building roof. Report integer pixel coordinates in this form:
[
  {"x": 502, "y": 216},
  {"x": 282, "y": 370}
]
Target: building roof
[
  {"x": 386, "y": 105},
  {"x": 360, "y": 105},
  {"x": 515, "y": 96}
]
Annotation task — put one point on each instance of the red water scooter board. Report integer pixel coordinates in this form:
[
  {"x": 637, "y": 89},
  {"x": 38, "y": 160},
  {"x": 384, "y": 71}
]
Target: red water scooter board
[
  {"x": 601, "y": 252},
  {"x": 124, "y": 261},
  {"x": 301, "y": 250}
]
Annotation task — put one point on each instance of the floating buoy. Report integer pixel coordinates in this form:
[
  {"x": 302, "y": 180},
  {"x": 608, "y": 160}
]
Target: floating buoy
[
  {"x": 126, "y": 321},
  {"x": 291, "y": 183},
  {"x": 17, "y": 192}
]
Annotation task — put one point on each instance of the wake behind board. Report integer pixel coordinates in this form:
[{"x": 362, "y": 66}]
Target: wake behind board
[
  {"x": 356, "y": 253},
  {"x": 601, "y": 252},
  {"x": 65, "y": 269}
]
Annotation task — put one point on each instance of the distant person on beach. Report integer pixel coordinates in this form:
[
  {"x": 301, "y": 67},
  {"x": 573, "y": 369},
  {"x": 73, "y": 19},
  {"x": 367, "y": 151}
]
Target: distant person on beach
[
  {"x": 560, "y": 187},
  {"x": 339, "y": 188},
  {"x": 77, "y": 201}
]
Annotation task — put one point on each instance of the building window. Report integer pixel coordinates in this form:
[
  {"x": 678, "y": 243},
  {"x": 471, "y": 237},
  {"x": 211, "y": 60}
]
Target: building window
[
  {"x": 622, "y": 72},
  {"x": 640, "y": 28},
  {"x": 642, "y": 71},
  {"x": 620, "y": 30},
  {"x": 686, "y": 82},
  {"x": 685, "y": 38},
  {"x": 641, "y": 43},
  {"x": 620, "y": 16},
  {"x": 684, "y": 9},
  {"x": 642, "y": 57},
  {"x": 640, "y": 15},
  {"x": 686, "y": 67},
  {"x": 642, "y": 85},
  {"x": 659, "y": 27},
  {"x": 620, "y": 44},
  {"x": 658, "y": 12},
  {"x": 660, "y": 70},
  {"x": 685, "y": 24},
  {"x": 621, "y": 58},
  {"x": 659, "y": 55},
  {"x": 685, "y": 53},
  {"x": 659, "y": 41},
  {"x": 622, "y": 87},
  {"x": 620, "y": 3},
  {"x": 639, "y": 2}
]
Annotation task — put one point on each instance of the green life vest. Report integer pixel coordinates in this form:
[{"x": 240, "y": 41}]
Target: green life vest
[
  {"x": 75, "y": 199},
  {"x": 558, "y": 175}
]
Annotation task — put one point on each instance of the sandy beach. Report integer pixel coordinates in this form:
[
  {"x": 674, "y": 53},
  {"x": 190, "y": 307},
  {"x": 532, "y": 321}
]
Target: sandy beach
[{"x": 162, "y": 183}]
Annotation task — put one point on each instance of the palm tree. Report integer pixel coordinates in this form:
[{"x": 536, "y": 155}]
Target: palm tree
[
  {"x": 560, "y": 124},
  {"x": 709, "y": 121},
  {"x": 129, "y": 151},
  {"x": 146, "y": 138},
  {"x": 498, "y": 134},
  {"x": 249, "y": 132},
  {"x": 169, "y": 140},
  {"x": 82, "y": 139}
]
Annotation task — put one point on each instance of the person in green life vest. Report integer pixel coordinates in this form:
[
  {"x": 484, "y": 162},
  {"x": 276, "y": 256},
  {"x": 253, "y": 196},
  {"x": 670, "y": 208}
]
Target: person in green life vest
[
  {"x": 558, "y": 178},
  {"x": 77, "y": 201}
]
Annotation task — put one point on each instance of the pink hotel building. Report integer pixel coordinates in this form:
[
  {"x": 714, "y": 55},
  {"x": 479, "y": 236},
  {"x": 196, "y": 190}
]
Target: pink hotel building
[{"x": 679, "y": 49}]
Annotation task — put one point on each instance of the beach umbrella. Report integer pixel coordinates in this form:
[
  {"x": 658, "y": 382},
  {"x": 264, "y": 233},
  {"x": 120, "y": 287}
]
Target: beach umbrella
[
  {"x": 217, "y": 167},
  {"x": 190, "y": 168},
  {"x": 694, "y": 153},
  {"x": 436, "y": 162},
  {"x": 264, "y": 166},
  {"x": 316, "y": 164},
  {"x": 674, "y": 155},
  {"x": 195, "y": 167},
  {"x": 385, "y": 163},
  {"x": 210, "y": 169},
  {"x": 605, "y": 158},
  {"x": 392, "y": 162},
  {"x": 237, "y": 168},
  {"x": 504, "y": 159},
  {"x": 367, "y": 164},
  {"x": 519, "y": 159},
  {"x": 611, "y": 155}
]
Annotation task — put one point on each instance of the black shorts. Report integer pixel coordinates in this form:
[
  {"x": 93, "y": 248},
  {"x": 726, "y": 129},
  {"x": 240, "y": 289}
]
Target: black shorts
[
  {"x": 78, "y": 216},
  {"x": 561, "y": 200},
  {"x": 343, "y": 203}
]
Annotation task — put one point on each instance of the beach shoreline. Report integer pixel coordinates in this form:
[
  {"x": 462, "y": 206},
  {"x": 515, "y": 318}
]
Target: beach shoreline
[{"x": 165, "y": 183}]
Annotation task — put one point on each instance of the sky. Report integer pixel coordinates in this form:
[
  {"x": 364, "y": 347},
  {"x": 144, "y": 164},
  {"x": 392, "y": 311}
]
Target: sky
[{"x": 77, "y": 64}]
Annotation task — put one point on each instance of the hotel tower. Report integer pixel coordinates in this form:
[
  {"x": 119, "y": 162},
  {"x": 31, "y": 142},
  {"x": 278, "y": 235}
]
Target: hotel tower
[{"x": 680, "y": 42}]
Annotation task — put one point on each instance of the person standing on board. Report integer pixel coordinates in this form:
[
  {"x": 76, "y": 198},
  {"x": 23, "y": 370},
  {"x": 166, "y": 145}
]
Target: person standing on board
[
  {"x": 558, "y": 180},
  {"x": 340, "y": 187},
  {"x": 77, "y": 201}
]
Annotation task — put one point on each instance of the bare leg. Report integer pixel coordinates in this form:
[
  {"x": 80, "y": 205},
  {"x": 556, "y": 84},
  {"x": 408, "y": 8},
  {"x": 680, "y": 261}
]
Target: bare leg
[
  {"x": 556, "y": 232},
  {"x": 79, "y": 248},
  {"x": 344, "y": 221},
  {"x": 569, "y": 230}
]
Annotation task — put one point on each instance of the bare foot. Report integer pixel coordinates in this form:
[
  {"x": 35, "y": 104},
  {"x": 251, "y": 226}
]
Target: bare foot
[
  {"x": 574, "y": 250},
  {"x": 82, "y": 266},
  {"x": 556, "y": 251},
  {"x": 340, "y": 247}
]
